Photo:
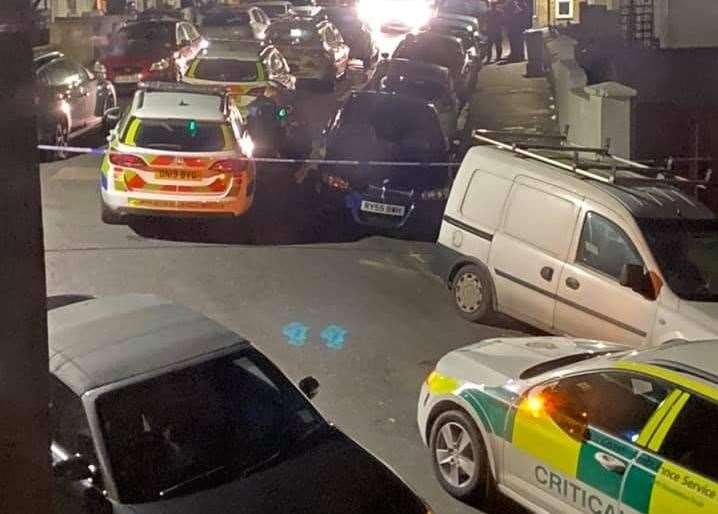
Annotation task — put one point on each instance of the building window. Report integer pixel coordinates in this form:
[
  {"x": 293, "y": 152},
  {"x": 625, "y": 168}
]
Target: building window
[{"x": 564, "y": 9}]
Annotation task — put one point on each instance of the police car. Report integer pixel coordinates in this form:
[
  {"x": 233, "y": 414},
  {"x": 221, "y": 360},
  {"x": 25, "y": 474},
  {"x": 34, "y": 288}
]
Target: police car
[
  {"x": 568, "y": 426},
  {"x": 178, "y": 150}
]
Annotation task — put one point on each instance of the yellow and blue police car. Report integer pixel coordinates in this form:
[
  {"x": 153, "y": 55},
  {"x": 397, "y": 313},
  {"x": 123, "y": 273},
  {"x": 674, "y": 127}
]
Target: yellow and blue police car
[
  {"x": 178, "y": 150},
  {"x": 573, "y": 426}
]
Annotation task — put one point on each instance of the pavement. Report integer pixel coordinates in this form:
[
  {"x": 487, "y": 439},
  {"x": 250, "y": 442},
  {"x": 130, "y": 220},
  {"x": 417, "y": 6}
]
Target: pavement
[{"x": 376, "y": 320}]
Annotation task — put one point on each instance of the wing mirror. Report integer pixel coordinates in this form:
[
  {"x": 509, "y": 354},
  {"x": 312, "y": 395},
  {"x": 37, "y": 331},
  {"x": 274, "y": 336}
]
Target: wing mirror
[
  {"x": 635, "y": 277},
  {"x": 73, "y": 469},
  {"x": 111, "y": 117},
  {"x": 309, "y": 386}
]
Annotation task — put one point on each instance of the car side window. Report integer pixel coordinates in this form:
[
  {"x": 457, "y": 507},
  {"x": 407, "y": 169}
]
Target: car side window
[
  {"x": 77, "y": 71},
  {"x": 617, "y": 403},
  {"x": 690, "y": 442},
  {"x": 337, "y": 35},
  {"x": 69, "y": 427},
  {"x": 192, "y": 32},
  {"x": 328, "y": 36},
  {"x": 57, "y": 73},
  {"x": 276, "y": 66},
  {"x": 605, "y": 247}
]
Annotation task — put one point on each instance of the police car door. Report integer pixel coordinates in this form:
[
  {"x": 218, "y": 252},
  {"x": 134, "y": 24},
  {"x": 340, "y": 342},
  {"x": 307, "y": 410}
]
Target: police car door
[
  {"x": 677, "y": 471},
  {"x": 573, "y": 440}
]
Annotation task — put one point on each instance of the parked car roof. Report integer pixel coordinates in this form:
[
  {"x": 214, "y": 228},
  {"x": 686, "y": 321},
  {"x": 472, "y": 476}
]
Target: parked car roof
[
  {"x": 102, "y": 341},
  {"x": 244, "y": 50},
  {"x": 690, "y": 357}
]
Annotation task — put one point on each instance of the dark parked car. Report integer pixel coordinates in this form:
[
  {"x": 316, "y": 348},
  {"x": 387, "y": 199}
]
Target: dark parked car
[
  {"x": 156, "y": 408},
  {"x": 225, "y": 22},
  {"x": 407, "y": 201},
  {"x": 355, "y": 33},
  {"x": 156, "y": 49},
  {"x": 473, "y": 42},
  {"x": 445, "y": 51},
  {"x": 71, "y": 100},
  {"x": 422, "y": 80}
]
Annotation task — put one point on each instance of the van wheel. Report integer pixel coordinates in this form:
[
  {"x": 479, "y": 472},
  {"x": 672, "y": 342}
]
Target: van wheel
[
  {"x": 473, "y": 293},
  {"x": 459, "y": 458}
]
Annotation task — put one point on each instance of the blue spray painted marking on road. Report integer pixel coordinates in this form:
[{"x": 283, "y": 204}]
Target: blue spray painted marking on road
[
  {"x": 296, "y": 333},
  {"x": 334, "y": 337}
]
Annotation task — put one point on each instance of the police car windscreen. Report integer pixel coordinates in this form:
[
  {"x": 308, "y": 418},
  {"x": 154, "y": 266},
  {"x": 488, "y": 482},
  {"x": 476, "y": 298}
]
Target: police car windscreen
[
  {"x": 274, "y": 10},
  {"x": 226, "y": 70},
  {"x": 180, "y": 135}
]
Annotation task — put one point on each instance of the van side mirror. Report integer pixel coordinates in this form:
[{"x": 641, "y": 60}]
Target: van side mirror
[
  {"x": 73, "y": 469},
  {"x": 637, "y": 279},
  {"x": 309, "y": 386}
]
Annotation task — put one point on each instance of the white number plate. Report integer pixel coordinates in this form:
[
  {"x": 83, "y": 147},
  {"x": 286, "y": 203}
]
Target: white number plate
[
  {"x": 382, "y": 208},
  {"x": 127, "y": 79}
]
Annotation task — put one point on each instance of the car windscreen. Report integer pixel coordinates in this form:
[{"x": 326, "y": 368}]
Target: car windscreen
[
  {"x": 225, "y": 17},
  {"x": 427, "y": 90},
  {"x": 274, "y": 10},
  {"x": 412, "y": 127},
  {"x": 165, "y": 435},
  {"x": 431, "y": 51},
  {"x": 226, "y": 70},
  {"x": 176, "y": 135},
  {"x": 292, "y": 35},
  {"x": 687, "y": 255},
  {"x": 143, "y": 33}
]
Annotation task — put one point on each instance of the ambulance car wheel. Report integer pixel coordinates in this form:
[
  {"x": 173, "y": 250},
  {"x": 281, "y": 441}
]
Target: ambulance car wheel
[
  {"x": 472, "y": 292},
  {"x": 459, "y": 458},
  {"x": 110, "y": 217}
]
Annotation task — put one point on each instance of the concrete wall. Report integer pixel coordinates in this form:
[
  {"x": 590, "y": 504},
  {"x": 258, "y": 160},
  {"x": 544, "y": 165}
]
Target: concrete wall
[
  {"x": 686, "y": 23},
  {"x": 593, "y": 114}
]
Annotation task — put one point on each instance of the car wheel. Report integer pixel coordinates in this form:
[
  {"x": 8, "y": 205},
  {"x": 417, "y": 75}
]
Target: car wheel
[
  {"x": 473, "y": 293},
  {"x": 459, "y": 458},
  {"x": 110, "y": 217}
]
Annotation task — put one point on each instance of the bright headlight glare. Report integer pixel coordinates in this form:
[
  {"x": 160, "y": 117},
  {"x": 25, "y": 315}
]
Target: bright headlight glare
[
  {"x": 246, "y": 145},
  {"x": 160, "y": 65}
]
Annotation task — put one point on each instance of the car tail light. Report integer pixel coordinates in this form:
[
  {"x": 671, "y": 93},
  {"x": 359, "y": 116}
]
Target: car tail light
[
  {"x": 335, "y": 182},
  {"x": 127, "y": 160},
  {"x": 234, "y": 166},
  {"x": 256, "y": 91}
]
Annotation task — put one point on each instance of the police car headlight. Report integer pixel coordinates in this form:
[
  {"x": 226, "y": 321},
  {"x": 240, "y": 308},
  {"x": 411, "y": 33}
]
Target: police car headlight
[
  {"x": 435, "y": 194},
  {"x": 160, "y": 65}
]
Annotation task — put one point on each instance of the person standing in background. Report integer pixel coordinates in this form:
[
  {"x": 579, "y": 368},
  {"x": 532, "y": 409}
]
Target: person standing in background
[
  {"x": 495, "y": 30},
  {"x": 516, "y": 15}
]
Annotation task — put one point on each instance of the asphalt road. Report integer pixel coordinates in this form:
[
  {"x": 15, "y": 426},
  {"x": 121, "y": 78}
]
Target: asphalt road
[{"x": 395, "y": 316}]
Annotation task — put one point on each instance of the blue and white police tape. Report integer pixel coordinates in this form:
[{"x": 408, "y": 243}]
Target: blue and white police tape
[{"x": 281, "y": 160}]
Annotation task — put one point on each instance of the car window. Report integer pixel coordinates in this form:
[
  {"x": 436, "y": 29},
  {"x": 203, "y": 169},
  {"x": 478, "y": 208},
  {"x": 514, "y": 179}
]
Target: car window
[
  {"x": 617, "y": 403},
  {"x": 77, "y": 71},
  {"x": 605, "y": 247},
  {"x": 328, "y": 36},
  {"x": 337, "y": 35},
  {"x": 192, "y": 32},
  {"x": 181, "y": 33},
  {"x": 225, "y": 70},
  {"x": 58, "y": 73},
  {"x": 690, "y": 442},
  {"x": 276, "y": 63},
  {"x": 178, "y": 135},
  {"x": 232, "y": 412},
  {"x": 69, "y": 427}
]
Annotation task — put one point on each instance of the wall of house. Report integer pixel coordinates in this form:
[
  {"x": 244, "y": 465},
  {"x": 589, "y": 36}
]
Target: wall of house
[{"x": 686, "y": 24}]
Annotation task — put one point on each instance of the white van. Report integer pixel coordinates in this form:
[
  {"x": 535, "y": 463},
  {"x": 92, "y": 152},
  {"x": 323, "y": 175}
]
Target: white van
[{"x": 577, "y": 245}]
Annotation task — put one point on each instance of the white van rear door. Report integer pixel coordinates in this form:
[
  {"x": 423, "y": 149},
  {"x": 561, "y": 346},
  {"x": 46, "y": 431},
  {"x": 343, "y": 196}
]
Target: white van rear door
[{"x": 529, "y": 251}]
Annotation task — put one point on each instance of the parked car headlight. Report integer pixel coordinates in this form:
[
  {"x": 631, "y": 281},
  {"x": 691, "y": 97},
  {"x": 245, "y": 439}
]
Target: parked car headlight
[
  {"x": 436, "y": 194},
  {"x": 334, "y": 182},
  {"x": 160, "y": 65}
]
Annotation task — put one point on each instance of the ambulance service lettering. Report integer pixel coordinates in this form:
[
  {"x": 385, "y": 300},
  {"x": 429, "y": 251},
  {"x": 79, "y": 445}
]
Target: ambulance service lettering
[{"x": 573, "y": 492}]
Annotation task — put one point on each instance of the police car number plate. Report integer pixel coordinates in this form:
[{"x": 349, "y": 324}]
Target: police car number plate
[
  {"x": 178, "y": 175},
  {"x": 127, "y": 79},
  {"x": 382, "y": 208}
]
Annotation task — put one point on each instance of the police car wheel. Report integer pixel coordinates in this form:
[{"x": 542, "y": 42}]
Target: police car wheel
[
  {"x": 459, "y": 457},
  {"x": 472, "y": 292}
]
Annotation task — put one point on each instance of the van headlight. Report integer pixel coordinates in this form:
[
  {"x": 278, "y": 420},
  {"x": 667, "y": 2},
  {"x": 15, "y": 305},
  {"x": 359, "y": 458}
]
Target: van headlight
[
  {"x": 436, "y": 194},
  {"x": 160, "y": 65}
]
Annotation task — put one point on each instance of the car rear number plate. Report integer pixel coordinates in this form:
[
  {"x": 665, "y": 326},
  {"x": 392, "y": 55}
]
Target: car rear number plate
[
  {"x": 179, "y": 175},
  {"x": 127, "y": 79},
  {"x": 382, "y": 208}
]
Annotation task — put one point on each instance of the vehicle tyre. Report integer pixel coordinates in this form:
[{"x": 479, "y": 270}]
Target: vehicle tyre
[
  {"x": 110, "y": 217},
  {"x": 472, "y": 291},
  {"x": 59, "y": 138},
  {"x": 459, "y": 458},
  {"x": 108, "y": 103}
]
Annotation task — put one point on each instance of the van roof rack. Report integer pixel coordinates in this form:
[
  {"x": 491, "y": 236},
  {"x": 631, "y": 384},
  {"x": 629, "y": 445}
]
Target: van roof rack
[{"x": 602, "y": 167}]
